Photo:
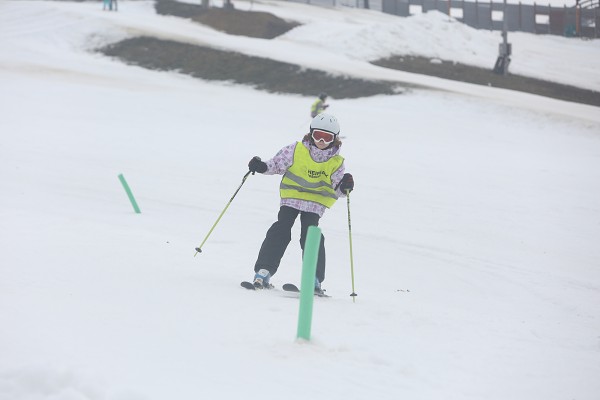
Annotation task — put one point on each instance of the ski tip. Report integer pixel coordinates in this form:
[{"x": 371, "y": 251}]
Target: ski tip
[
  {"x": 251, "y": 286},
  {"x": 248, "y": 285},
  {"x": 290, "y": 287}
]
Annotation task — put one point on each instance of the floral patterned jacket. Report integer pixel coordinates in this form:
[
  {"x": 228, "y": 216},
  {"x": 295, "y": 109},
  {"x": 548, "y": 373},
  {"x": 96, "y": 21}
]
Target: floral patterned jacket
[{"x": 284, "y": 158}]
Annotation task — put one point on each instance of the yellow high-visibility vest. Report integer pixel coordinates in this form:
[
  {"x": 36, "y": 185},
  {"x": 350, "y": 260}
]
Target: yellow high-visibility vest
[
  {"x": 316, "y": 108},
  {"x": 309, "y": 180}
]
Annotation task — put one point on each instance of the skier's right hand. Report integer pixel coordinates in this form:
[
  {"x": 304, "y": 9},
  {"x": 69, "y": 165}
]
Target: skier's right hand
[{"x": 256, "y": 165}]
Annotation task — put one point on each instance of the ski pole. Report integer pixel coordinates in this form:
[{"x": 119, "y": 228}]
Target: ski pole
[
  {"x": 199, "y": 248},
  {"x": 353, "y": 294}
]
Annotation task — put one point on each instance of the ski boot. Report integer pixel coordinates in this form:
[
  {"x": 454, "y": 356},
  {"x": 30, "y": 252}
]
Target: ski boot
[
  {"x": 261, "y": 279},
  {"x": 318, "y": 290}
]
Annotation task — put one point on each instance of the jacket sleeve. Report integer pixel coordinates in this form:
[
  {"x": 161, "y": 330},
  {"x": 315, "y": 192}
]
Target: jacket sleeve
[{"x": 282, "y": 161}]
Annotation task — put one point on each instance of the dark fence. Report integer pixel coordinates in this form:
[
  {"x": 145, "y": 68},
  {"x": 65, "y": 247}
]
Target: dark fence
[
  {"x": 581, "y": 20},
  {"x": 566, "y": 21}
]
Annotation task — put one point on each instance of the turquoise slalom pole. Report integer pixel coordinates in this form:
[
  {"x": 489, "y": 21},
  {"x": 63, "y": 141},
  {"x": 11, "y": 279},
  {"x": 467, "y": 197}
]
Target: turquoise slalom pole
[
  {"x": 129, "y": 194},
  {"x": 307, "y": 285}
]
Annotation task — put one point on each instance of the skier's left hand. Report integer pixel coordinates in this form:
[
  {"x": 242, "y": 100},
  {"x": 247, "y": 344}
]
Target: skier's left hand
[{"x": 347, "y": 183}]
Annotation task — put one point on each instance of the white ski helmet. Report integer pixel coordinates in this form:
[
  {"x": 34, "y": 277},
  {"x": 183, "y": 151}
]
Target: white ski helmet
[{"x": 326, "y": 122}]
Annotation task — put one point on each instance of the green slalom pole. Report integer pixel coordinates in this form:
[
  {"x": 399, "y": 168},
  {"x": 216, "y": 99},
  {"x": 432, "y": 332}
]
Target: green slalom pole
[
  {"x": 307, "y": 285},
  {"x": 129, "y": 194}
]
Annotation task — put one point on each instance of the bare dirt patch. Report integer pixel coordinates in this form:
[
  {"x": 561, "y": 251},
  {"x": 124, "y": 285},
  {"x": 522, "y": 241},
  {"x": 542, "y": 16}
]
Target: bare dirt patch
[
  {"x": 234, "y": 22},
  {"x": 481, "y": 76},
  {"x": 261, "y": 73}
]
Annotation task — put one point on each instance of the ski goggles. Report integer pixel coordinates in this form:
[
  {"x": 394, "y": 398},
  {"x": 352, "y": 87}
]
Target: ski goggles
[{"x": 325, "y": 136}]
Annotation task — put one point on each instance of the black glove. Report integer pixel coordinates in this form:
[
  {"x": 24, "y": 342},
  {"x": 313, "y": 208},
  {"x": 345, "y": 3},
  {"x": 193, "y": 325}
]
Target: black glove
[
  {"x": 256, "y": 165},
  {"x": 347, "y": 183}
]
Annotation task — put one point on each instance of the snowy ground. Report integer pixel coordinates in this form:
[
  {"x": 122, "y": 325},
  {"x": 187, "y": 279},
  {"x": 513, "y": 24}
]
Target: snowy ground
[{"x": 475, "y": 220}]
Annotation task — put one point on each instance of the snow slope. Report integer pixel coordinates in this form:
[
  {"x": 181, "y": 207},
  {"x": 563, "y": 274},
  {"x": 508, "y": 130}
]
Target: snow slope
[{"x": 475, "y": 232}]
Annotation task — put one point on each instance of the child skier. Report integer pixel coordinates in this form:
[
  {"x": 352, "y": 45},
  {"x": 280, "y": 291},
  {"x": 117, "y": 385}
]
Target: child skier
[
  {"x": 313, "y": 179},
  {"x": 319, "y": 105}
]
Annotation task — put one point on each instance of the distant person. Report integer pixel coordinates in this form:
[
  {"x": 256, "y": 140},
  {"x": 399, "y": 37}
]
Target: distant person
[
  {"x": 319, "y": 105},
  {"x": 313, "y": 179},
  {"x": 108, "y": 5}
]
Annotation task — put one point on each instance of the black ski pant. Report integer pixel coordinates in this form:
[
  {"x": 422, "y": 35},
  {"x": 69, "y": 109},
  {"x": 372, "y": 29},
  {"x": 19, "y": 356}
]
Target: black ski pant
[{"x": 279, "y": 236}]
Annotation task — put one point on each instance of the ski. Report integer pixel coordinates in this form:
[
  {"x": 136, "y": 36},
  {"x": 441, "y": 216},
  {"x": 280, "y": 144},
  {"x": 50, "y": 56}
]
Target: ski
[
  {"x": 250, "y": 286},
  {"x": 290, "y": 287}
]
